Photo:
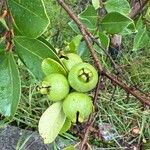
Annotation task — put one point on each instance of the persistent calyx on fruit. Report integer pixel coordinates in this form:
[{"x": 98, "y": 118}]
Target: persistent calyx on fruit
[
  {"x": 83, "y": 77},
  {"x": 79, "y": 105},
  {"x": 55, "y": 86},
  {"x": 70, "y": 59}
]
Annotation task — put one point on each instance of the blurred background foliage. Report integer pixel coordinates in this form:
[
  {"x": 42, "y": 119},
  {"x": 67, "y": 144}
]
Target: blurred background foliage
[{"x": 59, "y": 32}]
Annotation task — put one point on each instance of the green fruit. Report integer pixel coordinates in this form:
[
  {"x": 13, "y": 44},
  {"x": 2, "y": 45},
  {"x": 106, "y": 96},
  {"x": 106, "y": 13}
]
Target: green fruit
[
  {"x": 43, "y": 89},
  {"x": 70, "y": 59},
  {"x": 77, "y": 103},
  {"x": 57, "y": 86},
  {"x": 83, "y": 77},
  {"x": 66, "y": 126},
  {"x": 50, "y": 66}
]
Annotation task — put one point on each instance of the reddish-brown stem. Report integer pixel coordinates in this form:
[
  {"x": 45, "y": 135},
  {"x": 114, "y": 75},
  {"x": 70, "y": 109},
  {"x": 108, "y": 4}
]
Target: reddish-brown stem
[
  {"x": 143, "y": 98},
  {"x": 137, "y": 8},
  {"x": 85, "y": 33},
  {"x": 9, "y": 33},
  {"x": 91, "y": 119},
  {"x": 88, "y": 37}
]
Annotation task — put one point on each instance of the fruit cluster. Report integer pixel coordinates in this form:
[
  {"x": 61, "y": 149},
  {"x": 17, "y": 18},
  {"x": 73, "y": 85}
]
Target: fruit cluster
[{"x": 69, "y": 82}]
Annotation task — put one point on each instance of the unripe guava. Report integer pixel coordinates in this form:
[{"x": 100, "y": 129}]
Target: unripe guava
[
  {"x": 70, "y": 59},
  {"x": 83, "y": 77},
  {"x": 57, "y": 87},
  {"x": 80, "y": 103}
]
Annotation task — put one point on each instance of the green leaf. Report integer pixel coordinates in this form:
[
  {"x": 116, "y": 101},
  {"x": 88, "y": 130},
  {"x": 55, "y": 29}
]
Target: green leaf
[
  {"x": 147, "y": 16},
  {"x": 32, "y": 52},
  {"x": 89, "y": 17},
  {"x": 141, "y": 39},
  {"x": 2, "y": 20},
  {"x": 96, "y": 4},
  {"x": 139, "y": 23},
  {"x": 47, "y": 43},
  {"x": 83, "y": 51},
  {"x": 74, "y": 27},
  {"x": 115, "y": 22},
  {"x": 121, "y": 6},
  {"x": 73, "y": 45},
  {"x": 51, "y": 122},
  {"x": 30, "y": 16},
  {"x": 88, "y": 24},
  {"x": 2, "y": 45},
  {"x": 10, "y": 85},
  {"x": 66, "y": 126},
  {"x": 71, "y": 147},
  {"x": 50, "y": 66},
  {"x": 130, "y": 29},
  {"x": 104, "y": 39}
]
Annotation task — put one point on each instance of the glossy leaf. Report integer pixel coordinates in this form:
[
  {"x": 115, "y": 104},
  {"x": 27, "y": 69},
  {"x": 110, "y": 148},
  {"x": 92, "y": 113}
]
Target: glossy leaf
[
  {"x": 104, "y": 39},
  {"x": 147, "y": 16},
  {"x": 50, "y": 66},
  {"x": 121, "y": 6},
  {"x": 51, "y": 122},
  {"x": 83, "y": 51},
  {"x": 47, "y": 43},
  {"x": 88, "y": 24},
  {"x": 139, "y": 23},
  {"x": 32, "y": 52},
  {"x": 130, "y": 29},
  {"x": 115, "y": 22},
  {"x": 74, "y": 27},
  {"x": 73, "y": 45},
  {"x": 10, "y": 85},
  {"x": 89, "y": 17},
  {"x": 71, "y": 147},
  {"x": 66, "y": 126},
  {"x": 96, "y": 4},
  {"x": 30, "y": 16}
]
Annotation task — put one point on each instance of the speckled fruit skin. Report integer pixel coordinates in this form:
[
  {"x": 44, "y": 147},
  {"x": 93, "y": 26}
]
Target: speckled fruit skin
[
  {"x": 78, "y": 80},
  {"x": 71, "y": 60},
  {"x": 58, "y": 86},
  {"x": 77, "y": 102}
]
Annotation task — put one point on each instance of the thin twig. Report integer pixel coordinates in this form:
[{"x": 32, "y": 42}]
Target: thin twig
[
  {"x": 144, "y": 99},
  {"x": 91, "y": 118},
  {"x": 10, "y": 33},
  {"x": 138, "y": 8},
  {"x": 83, "y": 32},
  {"x": 87, "y": 37}
]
